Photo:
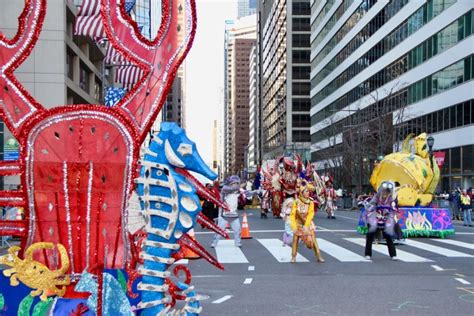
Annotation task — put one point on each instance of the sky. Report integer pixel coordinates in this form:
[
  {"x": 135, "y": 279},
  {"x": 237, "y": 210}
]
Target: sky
[{"x": 205, "y": 72}]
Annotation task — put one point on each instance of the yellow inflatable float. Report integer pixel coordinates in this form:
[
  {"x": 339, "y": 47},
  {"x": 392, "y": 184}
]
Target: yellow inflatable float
[{"x": 416, "y": 175}]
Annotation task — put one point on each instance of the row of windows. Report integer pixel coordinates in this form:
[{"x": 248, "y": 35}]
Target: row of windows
[
  {"x": 301, "y": 8},
  {"x": 358, "y": 14},
  {"x": 301, "y": 136},
  {"x": 443, "y": 40},
  {"x": 301, "y": 120},
  {"x": 327, "y": 6},
  {"x": 422, "y": 16},
  {"x": 443, "y": 80},
  {"x": 300, "y": 40},
  {"x": 458, "y": 160},
  {"x": 378, "y": 109},
  {"x": 301, "y": 25},
  {"x": 440, "y": 81},
  {"x": 301, "y": 105},
  {"x": 334, "y": 18},
  {"x": 301, "y": 88},
  {"x": 458, "y": 115},
  {"x": 301, "y": 56},
  {"x": 300, "y": 72},
  {"x": 439, "y": 42},
  {"x": 450, "y": 77}
]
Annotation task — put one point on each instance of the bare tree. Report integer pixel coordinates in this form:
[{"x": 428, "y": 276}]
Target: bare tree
[{"x": 352, "y": 144}]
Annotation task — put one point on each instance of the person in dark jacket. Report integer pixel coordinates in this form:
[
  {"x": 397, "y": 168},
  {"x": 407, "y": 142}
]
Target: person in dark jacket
[{"x": 210, "y": 209}]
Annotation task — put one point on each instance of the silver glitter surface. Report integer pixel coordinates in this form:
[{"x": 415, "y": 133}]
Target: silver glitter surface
[{"x": 68, "y": 213}]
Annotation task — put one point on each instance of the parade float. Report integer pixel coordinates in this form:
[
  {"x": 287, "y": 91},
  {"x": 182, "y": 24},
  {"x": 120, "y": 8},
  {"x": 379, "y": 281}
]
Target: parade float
[
  {"x": 79, "y": 165},
  {"x": 416, "y": 176}
]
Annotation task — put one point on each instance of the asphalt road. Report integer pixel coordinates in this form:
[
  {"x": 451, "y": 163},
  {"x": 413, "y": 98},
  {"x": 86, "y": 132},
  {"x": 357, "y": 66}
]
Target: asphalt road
[
  {"x": 435, "y": 279},
  {"x": 264, "y": 286}
]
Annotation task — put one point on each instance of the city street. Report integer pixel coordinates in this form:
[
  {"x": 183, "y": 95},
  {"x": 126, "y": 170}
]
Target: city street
[{"x": 433, "y": 278}]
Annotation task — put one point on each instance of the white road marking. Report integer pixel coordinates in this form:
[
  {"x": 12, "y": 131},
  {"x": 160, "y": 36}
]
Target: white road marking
[
  {"x": 248, "y": 281},
  {"x": 281, "y": 254},
  {"x": 439, "y": 250},
  {"x": 222, "y": 299},
  {"x": 456, "y": 243},
  {"x": 227, "y": 252},
  {"x": 462, "y": 281},
  {"x": 401, "y": 255},
  {"x": 182, "y": 261},
  {"x": 251, "y": 268},
  {"x": 437, "y": 268},
  {"x": 323, "y": 230},
  {"x": 340, "y": 253}
]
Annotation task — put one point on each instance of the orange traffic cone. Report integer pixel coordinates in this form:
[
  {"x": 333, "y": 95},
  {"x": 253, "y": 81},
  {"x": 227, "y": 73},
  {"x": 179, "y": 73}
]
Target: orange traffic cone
[
  {"x": 245, "y": 233},
  {"x": 188, "y": 253}
]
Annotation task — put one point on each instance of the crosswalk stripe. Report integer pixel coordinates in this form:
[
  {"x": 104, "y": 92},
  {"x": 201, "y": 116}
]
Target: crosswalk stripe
[
  {"x": 281, "y": 254},
  {"x": 340, "y": 253},
  {"x": 402, "y": 255},
  {"x": 456, "y": 243},
  {"x": 227, "y": 252},
  {"x": 439, "y": 250}
]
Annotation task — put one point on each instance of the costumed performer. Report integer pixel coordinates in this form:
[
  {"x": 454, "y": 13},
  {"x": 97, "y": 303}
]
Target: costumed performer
[
  {"x": 330, "y": 195},
  {"x": 230, "y": 195},
  {"x": 301, "y": 221},
  {"x": 266, "y": 200},
  {"x": 381, "y": 217}
]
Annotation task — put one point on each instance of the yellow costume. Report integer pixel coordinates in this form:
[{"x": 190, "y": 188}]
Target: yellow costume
[{"x": 301, "y": 222}]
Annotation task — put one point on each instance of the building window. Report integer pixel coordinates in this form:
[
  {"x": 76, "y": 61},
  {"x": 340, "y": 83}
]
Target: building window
[
  {"x": 301, "y": 25},
  {"x": 468, "y": 159},
  {"x": 301, "y": 88},
  {"x": 301, "y": 40},
  {"x": 456, "y": 160},
  {"x": 301, "y": 136},
  {"x": 301, "y": 105},
  {"x": 301, "y": 8},
  {"x": 301, "y": 56},
  {"x": 300, "y": 72}
]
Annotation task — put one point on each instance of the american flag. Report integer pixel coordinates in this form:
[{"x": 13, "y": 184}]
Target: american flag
[
  {"x": 128, "y": 75},
  {"x": 89, "y": 21},
  {"x": 129, "y": 4},
  {"x": 113, "y": 96},
  {"x": 113, "y": 57}
]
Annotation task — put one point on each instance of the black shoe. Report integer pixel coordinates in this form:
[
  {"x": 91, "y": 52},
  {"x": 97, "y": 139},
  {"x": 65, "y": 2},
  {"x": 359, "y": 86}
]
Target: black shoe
[
  {"x": 333, "y": 217},
  {"x": 329, "y": 217}
]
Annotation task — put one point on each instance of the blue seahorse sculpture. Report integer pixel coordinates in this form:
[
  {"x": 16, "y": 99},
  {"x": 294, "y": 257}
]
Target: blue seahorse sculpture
[{"x": 170, "y": 205}]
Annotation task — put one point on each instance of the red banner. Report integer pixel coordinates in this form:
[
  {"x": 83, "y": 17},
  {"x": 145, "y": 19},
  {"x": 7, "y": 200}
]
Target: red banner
[{"x": 439, "y": 158}]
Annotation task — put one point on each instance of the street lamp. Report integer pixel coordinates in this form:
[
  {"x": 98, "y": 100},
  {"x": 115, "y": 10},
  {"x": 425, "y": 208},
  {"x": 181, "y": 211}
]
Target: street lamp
[{"x": 430, "y": 141}]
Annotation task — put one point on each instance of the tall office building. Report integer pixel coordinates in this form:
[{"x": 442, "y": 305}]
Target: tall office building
[
  {"x": 246, "y": 7},
  {"x": 239, "y": 38},
  {"x": 253, "y": 152},
  {"x": 172, "y": 109},
  {"x": 148, "y": 16},
  {"x": 214, "y": 149},
  {"x": 383, "y": 69},
  {"x": 283, "y": 73},
  {"x": 62, "y": 68}
]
